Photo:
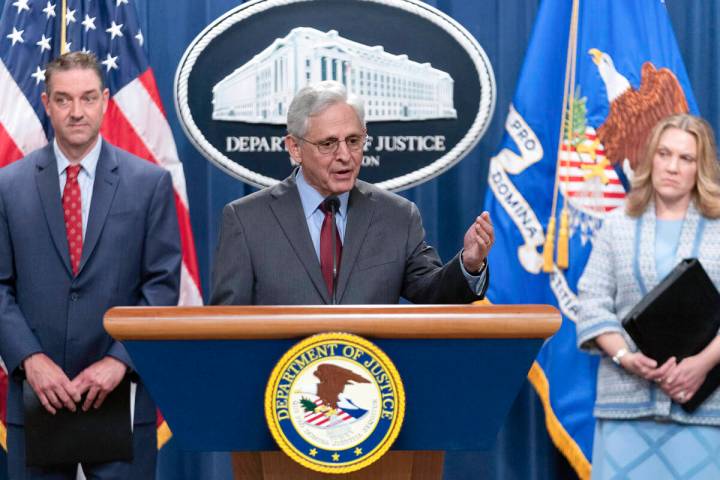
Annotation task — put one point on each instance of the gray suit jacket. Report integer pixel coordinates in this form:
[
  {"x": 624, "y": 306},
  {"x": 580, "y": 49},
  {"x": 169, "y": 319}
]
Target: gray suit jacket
[
  {"x": 131, "y": 256},
  {"x": 265, "y": 255}
]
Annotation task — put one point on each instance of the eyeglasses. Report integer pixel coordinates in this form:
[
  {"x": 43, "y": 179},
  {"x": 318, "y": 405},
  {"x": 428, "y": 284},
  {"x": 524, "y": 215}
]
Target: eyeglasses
[{"x": 354, "y": 143}]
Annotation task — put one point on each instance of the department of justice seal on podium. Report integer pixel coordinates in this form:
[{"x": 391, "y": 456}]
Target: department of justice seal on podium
[{"x": 335, "y": 403}]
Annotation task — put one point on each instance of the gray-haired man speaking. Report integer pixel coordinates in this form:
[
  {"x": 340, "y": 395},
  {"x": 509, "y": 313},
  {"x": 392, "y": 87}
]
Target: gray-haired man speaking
[{"x": 280, "y": 246}]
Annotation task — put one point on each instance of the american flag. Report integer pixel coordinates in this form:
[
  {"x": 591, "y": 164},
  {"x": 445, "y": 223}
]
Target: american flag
[{"x": 30, "y": 36}]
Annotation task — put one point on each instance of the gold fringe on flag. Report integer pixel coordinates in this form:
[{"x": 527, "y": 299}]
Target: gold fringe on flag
[
  {"x": 163, "y": 434},
  {"x": 549, "y": 247},
  {"x": 563, "y": 258},
  {"x": 560, "y": 437}
]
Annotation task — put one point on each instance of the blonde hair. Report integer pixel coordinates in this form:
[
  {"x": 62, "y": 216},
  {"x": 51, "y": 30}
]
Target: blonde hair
[{"x": 705, "y": 193}]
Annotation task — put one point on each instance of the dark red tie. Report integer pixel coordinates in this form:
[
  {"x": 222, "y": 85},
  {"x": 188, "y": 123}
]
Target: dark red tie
[
  {"x": 72, "y": 207},
  {"x": 326, "y": 260}
]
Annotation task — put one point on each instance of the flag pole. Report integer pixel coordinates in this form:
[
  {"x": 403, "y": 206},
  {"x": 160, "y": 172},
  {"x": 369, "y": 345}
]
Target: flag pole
[
  {"x": 63, "y": 28},
  {"x": 563, "y": 257},
  {"x": 549, "y": 246}
]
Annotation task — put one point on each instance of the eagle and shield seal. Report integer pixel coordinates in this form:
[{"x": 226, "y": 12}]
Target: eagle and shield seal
[{"x": 335, "y": 403}]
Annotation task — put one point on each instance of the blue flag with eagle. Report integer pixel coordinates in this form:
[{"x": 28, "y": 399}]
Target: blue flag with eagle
[{"x": 597, "y": 76}]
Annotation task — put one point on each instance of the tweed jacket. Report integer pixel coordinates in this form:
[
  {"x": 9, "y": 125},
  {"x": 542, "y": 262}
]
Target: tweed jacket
[{"x": 621, "y": 269}]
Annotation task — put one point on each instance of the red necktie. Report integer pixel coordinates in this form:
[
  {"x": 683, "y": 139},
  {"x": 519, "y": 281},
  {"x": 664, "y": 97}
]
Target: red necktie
[
  {"x": 72, "y": 208},
  {"x": 326, "y": 260}
]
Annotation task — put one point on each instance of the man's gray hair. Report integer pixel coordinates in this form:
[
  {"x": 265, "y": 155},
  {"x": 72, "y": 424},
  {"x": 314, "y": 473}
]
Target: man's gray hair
[{"x": 315, "y": 98}]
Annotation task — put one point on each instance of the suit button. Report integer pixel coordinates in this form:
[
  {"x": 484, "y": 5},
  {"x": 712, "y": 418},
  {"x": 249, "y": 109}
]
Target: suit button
[{"x": 74, "y": 296}]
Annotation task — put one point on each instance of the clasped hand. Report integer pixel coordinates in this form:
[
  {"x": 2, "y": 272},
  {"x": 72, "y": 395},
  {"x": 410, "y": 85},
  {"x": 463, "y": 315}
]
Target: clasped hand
[
  {"x": 55, "y": 390},
  {"x": 684, "y": 379},
  {"x": 680, "y": 381}
]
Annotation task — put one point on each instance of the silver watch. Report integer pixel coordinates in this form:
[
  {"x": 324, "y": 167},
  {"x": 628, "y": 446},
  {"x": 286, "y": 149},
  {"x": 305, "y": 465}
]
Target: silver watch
[{"x": 618, "y": 356}]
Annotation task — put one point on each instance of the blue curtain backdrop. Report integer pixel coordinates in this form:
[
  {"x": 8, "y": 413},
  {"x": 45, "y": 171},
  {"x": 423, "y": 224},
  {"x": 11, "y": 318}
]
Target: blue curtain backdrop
[
  {"x": 448, "y": 203},
  {"x": 502, "y": 27}
]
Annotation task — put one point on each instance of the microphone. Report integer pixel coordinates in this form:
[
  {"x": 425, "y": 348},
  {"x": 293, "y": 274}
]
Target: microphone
[{"x": 332, "y": 204}]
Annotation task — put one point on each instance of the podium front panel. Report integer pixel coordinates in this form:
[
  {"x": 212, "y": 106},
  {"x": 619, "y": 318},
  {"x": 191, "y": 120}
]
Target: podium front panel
[{"x": 211, "y": 392}]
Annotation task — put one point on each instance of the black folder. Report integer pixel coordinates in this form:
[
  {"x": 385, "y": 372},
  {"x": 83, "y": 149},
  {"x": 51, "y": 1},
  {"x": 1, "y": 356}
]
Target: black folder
[
  {"x": 98, "y": 435},
  {"x": 679, "y": 317}
]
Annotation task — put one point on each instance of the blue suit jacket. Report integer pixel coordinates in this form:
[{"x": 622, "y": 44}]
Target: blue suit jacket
[{"x": 131, "y": 256}]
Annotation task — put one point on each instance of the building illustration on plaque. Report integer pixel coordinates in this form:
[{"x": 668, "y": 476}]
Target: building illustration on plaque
[{"x": 393, "y": 87}]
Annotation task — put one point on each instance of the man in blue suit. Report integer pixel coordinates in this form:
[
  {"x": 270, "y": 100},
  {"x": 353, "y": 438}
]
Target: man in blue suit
[{"x": 84, "y": 226}]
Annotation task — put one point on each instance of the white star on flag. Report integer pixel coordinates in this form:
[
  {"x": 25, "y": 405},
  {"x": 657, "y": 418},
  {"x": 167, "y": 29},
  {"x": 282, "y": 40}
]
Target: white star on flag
[
  {"x": 120, "y": 2},
  {"x": 49, "y": 10},
  {"x": 39, "y": 75},
  {"x": 140, "y": 38},
  {"x": 21, "y": 5},
  {"x": 89, "y": 23},
  {"x": 114, "y": 30},
  {"x": 16, "y": 36},
  {"x": 67, "y": 46},
  {"x": 110, "y": 62},
  {"x": 70, "y": 16},
  {"x": 44, "y": 43}
]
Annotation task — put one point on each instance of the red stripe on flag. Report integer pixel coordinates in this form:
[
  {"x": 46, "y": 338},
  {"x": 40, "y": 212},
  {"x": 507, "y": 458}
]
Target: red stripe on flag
[
  {"x": 9, "y": 152},
  {"x": 148, "y": 81},
  {"x": 585, "y": 194},
  {"x": 188, "y": 241},
  {"x": 570, "y": 148},
  {"x": 160, "y": 418},
  {"x": 575, "y": 163},
  {"x": 117, "y": 130},
  {"x": 573, "y": 178}
]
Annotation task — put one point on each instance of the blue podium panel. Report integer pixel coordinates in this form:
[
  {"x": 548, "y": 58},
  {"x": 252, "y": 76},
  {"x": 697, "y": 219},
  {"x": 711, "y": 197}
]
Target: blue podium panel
[{"x": 211, "y": 392}]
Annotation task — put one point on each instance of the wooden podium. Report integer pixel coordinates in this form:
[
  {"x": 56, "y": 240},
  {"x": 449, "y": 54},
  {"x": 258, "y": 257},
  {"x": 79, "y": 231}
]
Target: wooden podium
[{"x": 461, "y": 365}]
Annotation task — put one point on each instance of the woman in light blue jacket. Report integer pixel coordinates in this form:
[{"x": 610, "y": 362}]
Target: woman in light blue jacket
[{"x": 672, "y": 212}]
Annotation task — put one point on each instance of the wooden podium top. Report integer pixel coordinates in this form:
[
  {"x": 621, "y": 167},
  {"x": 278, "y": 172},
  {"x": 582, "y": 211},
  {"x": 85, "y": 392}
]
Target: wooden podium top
[{"x": 380, "y": 321}]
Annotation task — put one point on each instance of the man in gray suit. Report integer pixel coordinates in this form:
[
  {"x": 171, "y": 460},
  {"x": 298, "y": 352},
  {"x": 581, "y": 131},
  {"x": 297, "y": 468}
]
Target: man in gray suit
[
  {"x": 84, "y": 226},
  {"x": 275, "y": 247}
]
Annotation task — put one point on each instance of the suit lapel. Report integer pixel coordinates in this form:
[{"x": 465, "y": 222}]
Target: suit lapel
[
  {"x": 48, "y": 185},
  {"x": 104, "y": 188},
  {"x": 289, "y": 213},
  {"x": 360, "y": 212}
]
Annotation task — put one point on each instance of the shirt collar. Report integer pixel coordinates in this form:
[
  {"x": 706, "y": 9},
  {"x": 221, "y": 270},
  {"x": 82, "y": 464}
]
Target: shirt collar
[
  {"x": 89, "y": 162},
  {"x": 311, "y": 198}
]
